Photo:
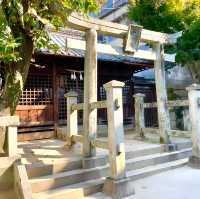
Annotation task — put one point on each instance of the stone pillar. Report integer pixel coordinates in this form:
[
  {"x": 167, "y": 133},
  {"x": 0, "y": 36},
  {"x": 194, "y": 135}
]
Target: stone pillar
[
  {"x": 72, "y": 118},
  {"x": 117, "y": 185},
  {"x": 194, "y": 110},
  {"x": 12, "y": 141},
  {"x": 90, "y": 93},
  {"x": 9, "y": 125},
  {"x": 161, "y": 92},
  {"x": 139, "y": 114}
]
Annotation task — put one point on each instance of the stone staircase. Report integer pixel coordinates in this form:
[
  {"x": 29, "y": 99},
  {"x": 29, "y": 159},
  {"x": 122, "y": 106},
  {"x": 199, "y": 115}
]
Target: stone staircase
[{"x": 68, "y": 179}]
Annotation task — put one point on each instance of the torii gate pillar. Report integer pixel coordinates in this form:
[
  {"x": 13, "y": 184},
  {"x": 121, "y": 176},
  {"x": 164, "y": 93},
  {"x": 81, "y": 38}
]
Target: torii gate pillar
[
  {"x": 161, "y": 92},
  {"x": 90, "y": 93}
]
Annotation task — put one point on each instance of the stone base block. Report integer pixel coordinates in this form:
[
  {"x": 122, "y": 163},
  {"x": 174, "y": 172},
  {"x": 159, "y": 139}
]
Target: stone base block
[
  {"x": 118, "y": 189},
  {"x": 171, "y": 147},
  {"x": 194, "y": 162},
  {"x": 94, "y": 162}
]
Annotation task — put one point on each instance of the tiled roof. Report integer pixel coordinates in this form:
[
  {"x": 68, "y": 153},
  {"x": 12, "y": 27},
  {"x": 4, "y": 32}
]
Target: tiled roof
[{"x": 59, "y": 38}]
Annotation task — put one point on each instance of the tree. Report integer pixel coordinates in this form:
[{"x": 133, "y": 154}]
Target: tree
[
  {"x": 171, "y": 16},
  {"x": 188, "y": 50},
  {"x": 22, "y": 30}
]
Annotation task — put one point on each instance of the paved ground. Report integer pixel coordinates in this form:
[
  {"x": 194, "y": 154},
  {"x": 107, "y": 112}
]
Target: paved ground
[{"x": 181, "y": 183}]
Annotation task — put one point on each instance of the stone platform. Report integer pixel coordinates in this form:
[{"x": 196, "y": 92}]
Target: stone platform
[{"x": 50, "y": 150}]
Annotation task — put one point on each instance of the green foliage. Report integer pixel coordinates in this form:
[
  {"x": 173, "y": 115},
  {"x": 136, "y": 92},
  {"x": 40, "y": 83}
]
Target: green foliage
[
  {"x": 22, "y": 18},
  {"x": 8, "y": 43},
  {"x": 188, "y": 46},
  {"x": 171, "y": 16},
  {"x": 23, "y": 28},
  {"x": 167, "y": 16}
]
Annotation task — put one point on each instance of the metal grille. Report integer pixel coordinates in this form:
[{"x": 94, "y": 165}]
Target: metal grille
[{"x": 37, "y": 91}]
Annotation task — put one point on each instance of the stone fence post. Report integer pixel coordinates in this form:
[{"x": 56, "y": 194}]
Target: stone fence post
[
  {"x": 194, "y": 110},
  {"x": 72, "y": 117},
  {"x": 117, "y": 185},
  {"x": 139, "y": 113},
  {"x": 10, "y": 123}
]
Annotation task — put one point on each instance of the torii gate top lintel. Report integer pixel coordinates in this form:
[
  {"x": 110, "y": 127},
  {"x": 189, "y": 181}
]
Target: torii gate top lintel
[{"x": 118, "y": 30}]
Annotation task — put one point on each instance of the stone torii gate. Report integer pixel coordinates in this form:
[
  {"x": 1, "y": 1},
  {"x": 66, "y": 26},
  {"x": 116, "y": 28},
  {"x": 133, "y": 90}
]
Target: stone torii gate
[
  {"x": 132, "y": 35},
  {"x": 117, "y": 184}
]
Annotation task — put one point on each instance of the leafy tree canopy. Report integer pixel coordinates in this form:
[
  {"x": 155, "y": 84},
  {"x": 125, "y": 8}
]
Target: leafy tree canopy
[
  {"x": 21, "y": 18},
  {"x": 189, "y": 45},
  {"x": 22, "y": 30},
  {"x": 168, "y": 16},
  {"x": 171, "y": 16}
]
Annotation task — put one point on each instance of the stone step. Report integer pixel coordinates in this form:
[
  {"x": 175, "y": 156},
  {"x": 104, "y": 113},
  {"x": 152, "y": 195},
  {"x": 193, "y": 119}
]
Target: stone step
[
  {"x": 66, "y": 164},
  {"x": 67, "y": 178},
  {"x": 86, "y": 188},
  {"x": 79, "y": 175},
  {"x": 152, "y": 170},
  {"x": 41, "y": 169},
  {"x": 150, "y": 160},
  {"x": 74, "y": 191}
]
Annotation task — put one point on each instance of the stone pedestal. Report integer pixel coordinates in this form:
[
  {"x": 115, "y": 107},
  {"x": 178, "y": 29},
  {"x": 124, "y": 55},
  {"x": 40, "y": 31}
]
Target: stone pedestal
[
  {"x": 118, "y": 189},
  {"x": 194, "y": 162},
  {"x": 194, "y": 109}
]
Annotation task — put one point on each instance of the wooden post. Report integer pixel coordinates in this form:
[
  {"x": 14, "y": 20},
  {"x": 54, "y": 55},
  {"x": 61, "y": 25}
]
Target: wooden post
[
  {"x": 90, "y": 93},
  {"x": 117, "y": 185},
  {"x": 161, "y": 92},
  {"x": 194, "y": 109},
  {"x": 72, "y": 117},
  {"x": 139, "y": 113},
  {"x": 55, "y": 98}
]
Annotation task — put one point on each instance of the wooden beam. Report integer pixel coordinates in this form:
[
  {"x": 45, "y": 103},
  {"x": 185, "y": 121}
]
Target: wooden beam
[
  {"x": 117, "y": 30},
  {"x": 55, "y": 96},
  {"x": 116, "y": 50}
]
